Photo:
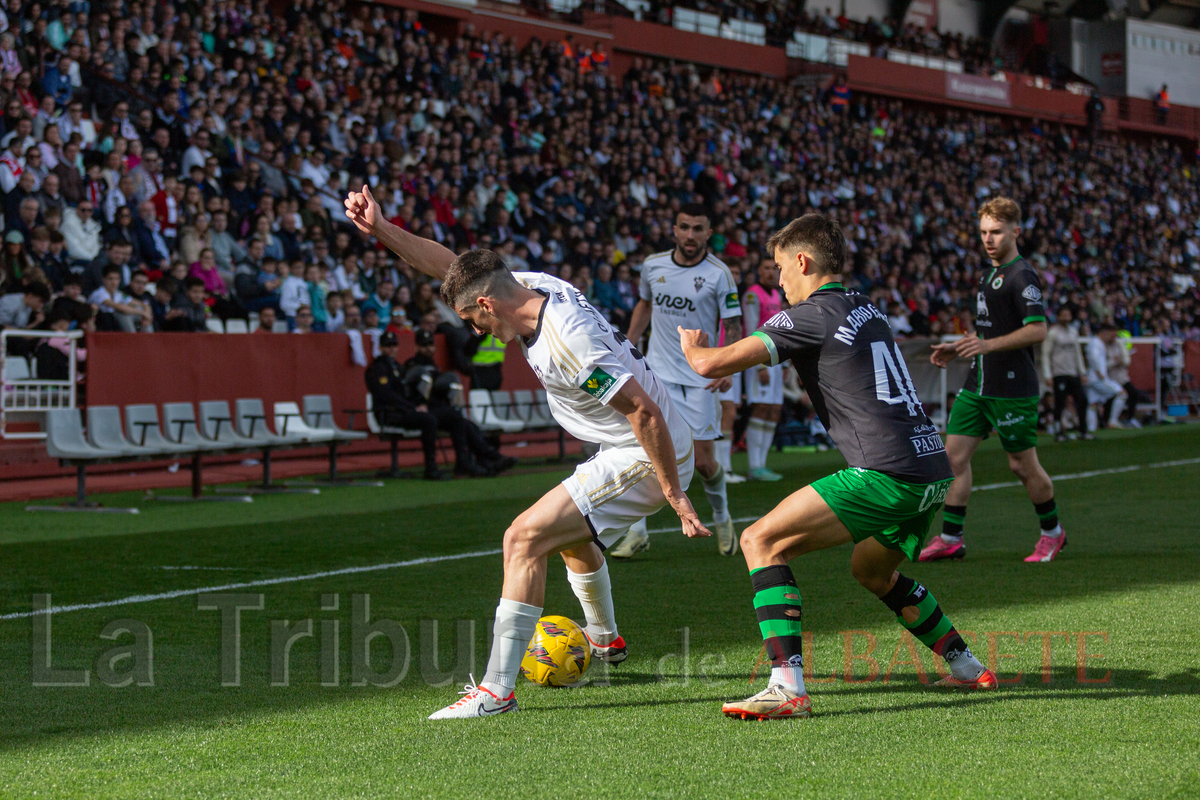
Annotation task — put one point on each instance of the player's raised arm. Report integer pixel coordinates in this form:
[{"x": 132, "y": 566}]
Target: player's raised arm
[
  {"x": 424, "y": 255},
  {"x": 719, "y": 362},
  {"x": 650, "y": 428}
]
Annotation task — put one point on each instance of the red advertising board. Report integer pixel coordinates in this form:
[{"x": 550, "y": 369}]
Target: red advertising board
[
  {"x": 1112, "y": 65},
  {"x": 974, "y": 89}
]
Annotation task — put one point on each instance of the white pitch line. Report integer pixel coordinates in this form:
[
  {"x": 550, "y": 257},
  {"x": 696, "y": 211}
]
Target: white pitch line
[
  {"x": 1074, "y": 476},
  {"x": 148, "y": 598}
]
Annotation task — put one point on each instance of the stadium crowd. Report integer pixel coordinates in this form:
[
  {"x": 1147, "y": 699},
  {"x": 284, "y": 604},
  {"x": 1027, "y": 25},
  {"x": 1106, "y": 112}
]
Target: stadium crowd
[
  {"x": 782, "y": 19},
  {"x": 164, "y": 164}
]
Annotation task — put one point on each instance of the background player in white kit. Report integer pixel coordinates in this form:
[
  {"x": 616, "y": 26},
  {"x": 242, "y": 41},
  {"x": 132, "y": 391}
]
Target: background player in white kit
[
  {"x": 764, "y": 383},
  {"x": 599, "y": 389},
  {"x": 689, "y": 287}
]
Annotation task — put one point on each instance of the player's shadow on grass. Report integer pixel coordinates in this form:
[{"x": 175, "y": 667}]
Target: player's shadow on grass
[{"x": 1063, "y": 686}]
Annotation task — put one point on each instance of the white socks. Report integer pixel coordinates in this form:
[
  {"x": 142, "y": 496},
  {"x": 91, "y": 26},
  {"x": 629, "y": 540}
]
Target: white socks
[
  {"x": 714, "y": 489},
  {"x": 790, "y": 676},
  {"x": 514, "y": 627},
  {"x": 724, "y": 450},
  {"x": 1054, "y": 534},
  {"x": 965, "y": 666},
  {"x": 1114, "y": 416},
  {"x": 594, "y": 590},
  {"x": 759, "y": 435}
]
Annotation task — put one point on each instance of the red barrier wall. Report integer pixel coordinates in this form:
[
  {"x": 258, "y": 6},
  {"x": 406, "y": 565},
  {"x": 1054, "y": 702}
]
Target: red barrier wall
[{"x": 127, "y": 368}]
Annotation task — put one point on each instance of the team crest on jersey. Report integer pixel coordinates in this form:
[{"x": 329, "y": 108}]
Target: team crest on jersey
[
  {"x": 1032, "y": 294},
  {"x": 780, "y": 320},
  {"x": 699, "y": 283},
  {"x": 996, "y": 284}
]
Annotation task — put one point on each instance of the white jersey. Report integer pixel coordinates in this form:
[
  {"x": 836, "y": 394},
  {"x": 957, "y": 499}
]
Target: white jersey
[
  {"x": 695, "y": 297},
  {"x": 583, "y": 362}
]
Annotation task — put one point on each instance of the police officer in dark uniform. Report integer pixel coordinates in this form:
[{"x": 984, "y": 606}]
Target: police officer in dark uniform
[
  {"x": 392, "y": 405},
  {"x": 425, "y": 384}
]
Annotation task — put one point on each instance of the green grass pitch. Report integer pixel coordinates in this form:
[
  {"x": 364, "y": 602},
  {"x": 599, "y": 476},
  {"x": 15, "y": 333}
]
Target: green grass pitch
[{"x": 1113, "y": 711}]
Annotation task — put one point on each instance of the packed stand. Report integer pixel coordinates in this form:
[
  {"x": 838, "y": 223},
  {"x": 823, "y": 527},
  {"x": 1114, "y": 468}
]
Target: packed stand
[
  {"x": 782, "y": 19},
  {"x": 160, "y": 177}
]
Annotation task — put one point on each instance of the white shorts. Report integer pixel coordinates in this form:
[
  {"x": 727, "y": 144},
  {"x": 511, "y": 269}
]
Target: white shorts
[
  {"x": 699, "y": 409},
  {"x": 1102, "y": 391},
  {"x": 771, "y": 393},
  {"x": 617, "y": 487},
  {"x": 734, "y": 394}
]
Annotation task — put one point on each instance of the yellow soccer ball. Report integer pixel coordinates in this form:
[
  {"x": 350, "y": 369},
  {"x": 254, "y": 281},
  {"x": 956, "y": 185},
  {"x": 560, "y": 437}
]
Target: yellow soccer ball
[{"x": 558, "y": 654}]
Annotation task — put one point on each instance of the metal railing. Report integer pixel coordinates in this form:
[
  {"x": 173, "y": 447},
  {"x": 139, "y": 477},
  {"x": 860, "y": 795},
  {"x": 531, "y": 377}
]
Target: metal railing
[{"x": 23, "y": 393}]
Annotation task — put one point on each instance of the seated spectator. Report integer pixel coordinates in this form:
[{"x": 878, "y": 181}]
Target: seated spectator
[
  {"x": 258, "y": 290},
  {"x": 81, "y": 232},
  {"x": 167, "y": 316},
  {"x": 316, "y": 298},
  {"x": 335, "y": 317},
  {"x": 266, "y": 320},
  {"x": 898, "y": 320},
  {"x": 195, "y": 312},
  {"x": 54, "y": 354},
  {"x": 72, "y": 301},
  {"x": 224, "y": 305},
  {"x": 293, "y": 293},
  {"x": 380, "y": 303},
  {"x": 304, "y": 320},
  {"x": 23, "y": 309},
  {"x": 116, "y": 310}
]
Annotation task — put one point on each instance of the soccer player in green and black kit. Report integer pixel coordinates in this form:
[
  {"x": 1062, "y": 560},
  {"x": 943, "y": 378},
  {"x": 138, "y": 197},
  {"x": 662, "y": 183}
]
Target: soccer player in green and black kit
[
  {"x": 1002, "y": 387},
  {"x": 898, "y": 475}
]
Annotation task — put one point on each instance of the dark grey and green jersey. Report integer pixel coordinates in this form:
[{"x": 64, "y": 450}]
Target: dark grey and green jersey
[
  {"x": 844, "y": 353},
  {"x": 1009, "y": 298}
]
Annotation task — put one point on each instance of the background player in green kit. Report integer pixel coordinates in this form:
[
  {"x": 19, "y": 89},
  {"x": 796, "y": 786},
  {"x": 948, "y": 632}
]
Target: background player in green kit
[
  {"x": 1002, "y": 387},
  {"x": 843, "y": 351}
]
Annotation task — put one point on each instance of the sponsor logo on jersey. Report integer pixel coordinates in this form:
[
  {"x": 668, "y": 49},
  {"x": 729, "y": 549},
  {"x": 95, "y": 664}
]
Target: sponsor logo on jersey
[
  {"x": 928, "y": 445},
  {"x": 597, "y": 383},
  {"x": 670, "y": 301},
  {"x": 1009, "y": 419},
  {"x": 562, "y": 298},
  {"x": 981, "y": 309},
  {"x": 854, "y": 321},
  {"x": 698, "y": 283},
  {"x": 583, "y": 476},
  {"x": 996, "y": 284},
  {"x": 780, "y": 320},
  {"x": 1032, "y": 294},
  {"x": 661, "y": 279},
  {"x": 538, "y": 372},
  {"x": 731, "y": 300}
]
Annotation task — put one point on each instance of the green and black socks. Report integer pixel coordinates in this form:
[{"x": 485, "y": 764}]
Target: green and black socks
[
  {"x": 953, "y": 519},
  {"x": 777, "y": 604},
  {"x": 1048, "y": 517},
  {"x": 931, "y": 626}
]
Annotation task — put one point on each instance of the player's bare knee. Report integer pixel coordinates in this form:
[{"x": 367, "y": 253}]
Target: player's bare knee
[
  {"x": 519, "y": 542},
  {"x": 755, "y": 541},
  {"x": 871, "y": 579},
  {"x": 1023, "y": 468}
]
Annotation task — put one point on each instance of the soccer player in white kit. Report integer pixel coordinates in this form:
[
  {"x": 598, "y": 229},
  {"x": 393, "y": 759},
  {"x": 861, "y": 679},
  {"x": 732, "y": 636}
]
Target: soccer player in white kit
[
  {"x": 764, "y": 383},
  {"x": 600, "y": 389},
  {"x": 689, "y": 287}
]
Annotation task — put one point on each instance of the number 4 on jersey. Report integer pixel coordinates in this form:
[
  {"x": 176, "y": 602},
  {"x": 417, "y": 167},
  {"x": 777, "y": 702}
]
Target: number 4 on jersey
[{"x": 889, "y": 369}]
